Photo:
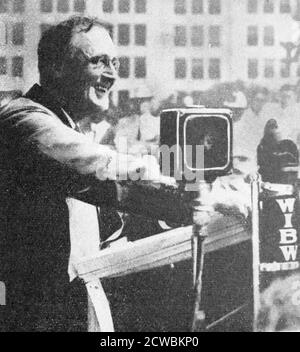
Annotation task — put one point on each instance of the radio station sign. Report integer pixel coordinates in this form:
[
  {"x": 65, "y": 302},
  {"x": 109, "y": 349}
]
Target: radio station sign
[{"x": 279, "y": 236}]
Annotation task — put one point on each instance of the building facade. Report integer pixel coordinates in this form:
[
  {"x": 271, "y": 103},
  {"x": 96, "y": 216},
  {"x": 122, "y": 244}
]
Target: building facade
[
  {"x": 165, "y": 46},
  {"x": 21, "y": 25}
]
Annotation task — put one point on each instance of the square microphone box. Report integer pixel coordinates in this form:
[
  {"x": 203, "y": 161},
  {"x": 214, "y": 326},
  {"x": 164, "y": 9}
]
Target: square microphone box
[{"x": 195, "y": 140}]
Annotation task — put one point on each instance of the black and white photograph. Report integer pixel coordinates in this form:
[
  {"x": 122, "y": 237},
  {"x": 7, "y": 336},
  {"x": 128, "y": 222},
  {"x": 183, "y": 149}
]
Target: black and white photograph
[{"x": 149, "y": 168}]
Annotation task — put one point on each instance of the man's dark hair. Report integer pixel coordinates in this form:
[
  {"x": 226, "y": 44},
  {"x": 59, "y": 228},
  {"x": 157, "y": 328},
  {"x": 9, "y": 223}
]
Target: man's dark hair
[{"x": 55, "y": 44}]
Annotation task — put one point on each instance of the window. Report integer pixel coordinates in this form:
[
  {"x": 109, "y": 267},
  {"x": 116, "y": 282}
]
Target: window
[
  {"x": 214, "y": 69},
  {"x": 140, "y": 6},
  {"x": 180, "y": 97},
  {"x": 269, "y": 6},
  {"x": 197, "y": 6},
  {"x": 3, "y": 6},
  {"x": 79, "y": 5},
  {"x": 123, "y": 97},
  {"x": 46, "y": 5},
  {"x": 214, "y": 36},
  {"x": 18, "y": 34},
  {"x": 180, "y": 36},
  {"x": 252, "y": 38},
  {"x": 140, "y": 34},
  {"x": 108, "y": 6},
  {"x": 197, "y": 69},
  {"x": 140, "y": 67},
  {"x": 124, "y": 6},
  {"x": 19, "y": 6},
  {"x": 17, "y": 66},
  {"x": 3, "y": 65},
  {"x": 269, "y": 36},
  {"x": 252, "y": 68},
  {"x": 180, "y": 68},
  {"x": 197, "y": 36},
  {"x": 214, "y": 7},
  {"x": 180, "y": 7},
  {"x": 124, "y": 69},
  {"x": 296, "y": 14},
  {"x": 123, "y": 34},
  {"x": 252, "y": 6},
  {"x": 63, "y": 6},
  {"x": 44, "y": 27},
  {"x": 3, "y": 33},
  {"x": 285, "y": 6},
  {"x": 285, "y": 69},
  {"x": 269, "y": 69}
]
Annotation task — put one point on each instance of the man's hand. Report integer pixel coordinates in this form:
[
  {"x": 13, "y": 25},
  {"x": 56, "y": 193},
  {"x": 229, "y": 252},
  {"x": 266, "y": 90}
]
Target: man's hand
[
  {"x": 231, "y": 196},
  {"x": 122, "y": 167},
  {"x": 126, "y": 167}
]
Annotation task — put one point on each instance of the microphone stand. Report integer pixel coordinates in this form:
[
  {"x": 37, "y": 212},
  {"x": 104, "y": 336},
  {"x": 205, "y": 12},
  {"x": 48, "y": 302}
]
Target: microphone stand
[{"x": 200, "y": 220}]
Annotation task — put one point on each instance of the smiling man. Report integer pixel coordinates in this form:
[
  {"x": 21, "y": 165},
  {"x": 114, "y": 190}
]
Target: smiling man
[
  {"x": 52, "y": 177},
  {"x": 88, "y": 71}
]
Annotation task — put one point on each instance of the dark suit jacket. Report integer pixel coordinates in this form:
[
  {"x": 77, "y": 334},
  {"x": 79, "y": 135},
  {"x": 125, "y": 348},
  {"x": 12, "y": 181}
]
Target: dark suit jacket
[{"x": 42, "y": 162}]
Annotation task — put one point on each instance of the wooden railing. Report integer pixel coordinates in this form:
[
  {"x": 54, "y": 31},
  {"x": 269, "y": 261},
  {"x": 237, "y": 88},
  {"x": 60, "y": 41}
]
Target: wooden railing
[{"x": 148, "y": 253}]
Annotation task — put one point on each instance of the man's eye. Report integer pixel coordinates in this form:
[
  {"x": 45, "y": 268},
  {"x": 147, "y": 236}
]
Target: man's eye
[
  {"x": 97, "y": 60},
  {"x": 105, "y": 61}
]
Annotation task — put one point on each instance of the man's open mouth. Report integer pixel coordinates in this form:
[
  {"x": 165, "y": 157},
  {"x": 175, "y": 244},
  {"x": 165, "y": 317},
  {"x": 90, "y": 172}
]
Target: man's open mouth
[
  {"x": 106, "y": 82},
  {"x": 100, "y": 89}
]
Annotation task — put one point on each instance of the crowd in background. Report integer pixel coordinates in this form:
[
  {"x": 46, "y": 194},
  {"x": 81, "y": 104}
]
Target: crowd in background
[
  {"x": 138, "y": 119},
  {"x": 280, "y": 306},
  {"x": 253, "y": 106}
]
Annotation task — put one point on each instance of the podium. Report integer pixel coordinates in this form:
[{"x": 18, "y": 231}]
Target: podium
[{"x": 156, "y": 251}]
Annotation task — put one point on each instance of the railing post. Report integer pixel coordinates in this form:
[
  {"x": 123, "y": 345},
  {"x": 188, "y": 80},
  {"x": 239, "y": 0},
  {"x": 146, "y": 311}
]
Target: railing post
[{"x": 255, "y": 188}]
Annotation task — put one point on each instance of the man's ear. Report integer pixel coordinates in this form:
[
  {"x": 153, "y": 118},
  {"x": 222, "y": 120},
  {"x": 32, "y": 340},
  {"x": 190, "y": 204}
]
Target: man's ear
[
  {"x": 58, "y": 71},
  {"x": 64, "y": 68}
]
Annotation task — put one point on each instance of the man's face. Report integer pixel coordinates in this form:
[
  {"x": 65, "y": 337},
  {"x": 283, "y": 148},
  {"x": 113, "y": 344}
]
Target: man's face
[
  {"x": 155, "y": 106},
  {"x": 287, "y": 97},
  {"x": 92, "y": 71},
  {"x": 258, "y": 102},
  {"x": 145, "y": 107}
]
